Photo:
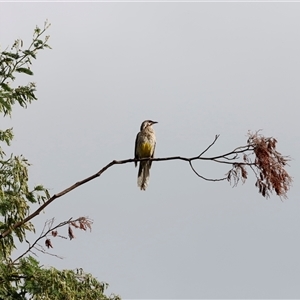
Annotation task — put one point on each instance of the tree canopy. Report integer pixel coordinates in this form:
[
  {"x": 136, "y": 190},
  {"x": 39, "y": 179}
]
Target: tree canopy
[{"x": 24, "y": 277}]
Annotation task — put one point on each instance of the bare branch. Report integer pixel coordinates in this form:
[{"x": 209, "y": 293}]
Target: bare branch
[
  {"x": 207, "y": 179},
  {"x": 216, "y": 137},
  {"x": 40, "y": 248},
  {"x": 82, "y": 223},
  {"x": 268, "y": 166},
  {"x": 42, "y": 235}
]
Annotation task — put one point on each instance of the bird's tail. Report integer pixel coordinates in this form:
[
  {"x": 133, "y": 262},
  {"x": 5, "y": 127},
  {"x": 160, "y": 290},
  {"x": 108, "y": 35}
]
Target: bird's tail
[{"x": 143, "y": 175}]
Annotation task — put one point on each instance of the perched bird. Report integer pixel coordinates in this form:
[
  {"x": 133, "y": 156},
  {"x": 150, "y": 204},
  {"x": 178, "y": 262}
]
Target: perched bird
[{"x": 145, "y": 143}]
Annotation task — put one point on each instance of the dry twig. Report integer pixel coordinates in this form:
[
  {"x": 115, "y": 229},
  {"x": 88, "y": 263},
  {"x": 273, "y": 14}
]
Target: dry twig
[{"x": 82, "y": 223}]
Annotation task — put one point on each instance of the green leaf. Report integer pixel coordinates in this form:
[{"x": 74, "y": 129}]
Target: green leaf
[
  {"x": 5, "y": 106},
  {"x": 7, "y": 60},
  {"x": 31, "y": 53},
  {"x": 5, "y": 86},
  {"x": 13, "y": 55},
  {"x": 37, "y": 30},
  {"x": 38, "y": 43},
  {"x": 47, "y": 46},
  {"x": 24, "y": 70},
  {"x": 6, "y": 135}
]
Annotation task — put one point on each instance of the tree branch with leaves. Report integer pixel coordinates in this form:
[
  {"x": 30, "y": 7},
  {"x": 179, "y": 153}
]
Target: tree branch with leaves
[{"x": 24, "y": 277}]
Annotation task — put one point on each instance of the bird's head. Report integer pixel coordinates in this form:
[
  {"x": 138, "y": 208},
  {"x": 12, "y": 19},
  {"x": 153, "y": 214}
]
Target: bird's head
[{"x": 147, "y": 123}]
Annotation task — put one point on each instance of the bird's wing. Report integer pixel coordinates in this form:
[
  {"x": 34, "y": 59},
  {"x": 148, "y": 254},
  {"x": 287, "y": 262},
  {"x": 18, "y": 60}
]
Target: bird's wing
[
  {"x": 150, "y": 163},
  {"x": 135, "y": 148}
]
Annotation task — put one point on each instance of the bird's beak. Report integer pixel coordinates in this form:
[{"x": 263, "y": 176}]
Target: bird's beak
[{"x": 154, "y": 122}]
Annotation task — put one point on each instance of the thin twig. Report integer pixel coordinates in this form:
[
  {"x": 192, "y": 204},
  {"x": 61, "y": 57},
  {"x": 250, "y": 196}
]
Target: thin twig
[
  {"x": 207, "y": 179},
  {"x": 216, "y": 137},
  {"x": 43, "y": 234},
  {"x": 42, "y": 249}
]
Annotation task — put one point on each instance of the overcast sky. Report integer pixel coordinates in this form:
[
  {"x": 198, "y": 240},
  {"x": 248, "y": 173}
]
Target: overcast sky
[{"x": 199, "y": 69}]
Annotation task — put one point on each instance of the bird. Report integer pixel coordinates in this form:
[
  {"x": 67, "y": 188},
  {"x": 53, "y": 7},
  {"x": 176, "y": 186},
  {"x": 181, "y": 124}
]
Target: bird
[{"x": 145, "y": 143}]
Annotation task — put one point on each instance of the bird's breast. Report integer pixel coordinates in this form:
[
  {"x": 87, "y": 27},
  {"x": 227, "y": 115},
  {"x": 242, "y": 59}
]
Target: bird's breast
[{"x": 146, "y": 149}]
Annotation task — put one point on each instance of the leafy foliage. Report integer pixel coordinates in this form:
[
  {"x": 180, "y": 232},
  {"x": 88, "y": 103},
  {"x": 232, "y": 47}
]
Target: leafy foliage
[
  {"x": 19, "y": 60},
  {"x": 15, "y": 194},
  {"x": 24, "y": 278},
  {"x": 28, "y": 280}
]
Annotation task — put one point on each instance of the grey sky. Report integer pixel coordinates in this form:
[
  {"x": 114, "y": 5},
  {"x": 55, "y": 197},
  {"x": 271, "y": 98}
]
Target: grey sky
[{"x": 199, "y": 69}]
